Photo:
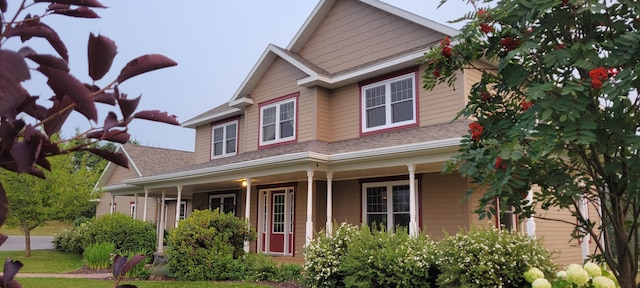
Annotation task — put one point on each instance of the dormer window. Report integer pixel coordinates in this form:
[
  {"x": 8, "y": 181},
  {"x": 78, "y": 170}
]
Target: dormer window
[
  {"x": 278, "y": 120},
  {"x": 224, "y": 139},
  {"x": 389, "y": 103}
]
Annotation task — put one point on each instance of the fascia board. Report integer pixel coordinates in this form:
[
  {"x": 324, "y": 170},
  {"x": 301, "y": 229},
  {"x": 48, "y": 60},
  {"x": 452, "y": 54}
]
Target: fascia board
[
  {"x": 193, "y": 123},
  {"x": 394, "y": 150},
  {"x": 444, "y": 29},
  {"x": 339, "y": 80},
  {"x": 131, "y": 162}
]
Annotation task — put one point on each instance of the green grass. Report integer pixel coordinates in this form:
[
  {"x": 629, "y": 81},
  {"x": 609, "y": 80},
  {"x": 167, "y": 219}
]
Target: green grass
[
  {"x": 45, "y": 261},
  {"x": 50, "y": 228},
  {"x": 88, "y": 283}
]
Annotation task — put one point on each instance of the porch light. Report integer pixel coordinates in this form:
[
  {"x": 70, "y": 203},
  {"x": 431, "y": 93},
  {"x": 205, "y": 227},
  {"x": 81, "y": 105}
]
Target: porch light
[{"x": 244, "y": 183}]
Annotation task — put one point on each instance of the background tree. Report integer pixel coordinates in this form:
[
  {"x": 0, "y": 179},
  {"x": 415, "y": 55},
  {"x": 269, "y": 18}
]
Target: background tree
[
  {"x": 62, "y": 196},
  {"x": 28, "y": 123},
  {"x": 559, "y": 111}
]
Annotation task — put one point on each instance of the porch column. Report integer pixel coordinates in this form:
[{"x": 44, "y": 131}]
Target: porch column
[
  {"x": 584, "y": 211},
  {"x": 309, "y": 224},
  {"x": 161, "y": 224},
  {"x": 531, "y": 221},
  {"x": 146, "y": 199},
  {"x": 247, "y": 210},
  {"x": 413, "y": 224},
  {"x": 135, "y": 205},
  {"x": 178, "y": 205},
  {"x": 329, "y": 228},
  {"x": 113, "y": 204}
]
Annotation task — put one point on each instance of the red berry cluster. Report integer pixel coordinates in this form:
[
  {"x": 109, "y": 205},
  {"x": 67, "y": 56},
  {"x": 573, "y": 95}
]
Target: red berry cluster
[
  {"x": 526, "y": 105},
  {"x": 486, "y": 28},
  {"x": 598, "y": 76},
  {"x": 499, "y": 164},
  {"x": 509, "y": 43},
  {"x": 476, "y": 131},
  {"x": 446, "y": 47}
]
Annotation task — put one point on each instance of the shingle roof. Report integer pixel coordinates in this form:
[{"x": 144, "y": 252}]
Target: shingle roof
[{"x": 152, "y": 160}]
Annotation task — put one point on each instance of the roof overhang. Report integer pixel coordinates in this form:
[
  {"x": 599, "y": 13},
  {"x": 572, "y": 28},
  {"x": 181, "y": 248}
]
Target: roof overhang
[{"x": 195, "y": 122}]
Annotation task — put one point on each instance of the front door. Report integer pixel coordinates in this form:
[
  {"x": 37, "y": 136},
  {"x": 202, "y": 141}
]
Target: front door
[{"x": 277, "y": 214}]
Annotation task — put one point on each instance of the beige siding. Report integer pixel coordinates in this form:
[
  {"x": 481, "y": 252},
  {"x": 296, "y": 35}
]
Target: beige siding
[
  {"x": 324, "y": 115},
  {"x": 442, "y": 212},
  {"x": 123, "y": 204},
  {"x": 355, "y": 33},
  {"x": 278, "y": 81},
  {"x": 556, "y": 235},
  {"x": 120, "y": 174},
  {"x": 347, "y": 202},
  {"x": 344, "y": 113},
  {"x": 441, "y": 104},
  {"x": 203, "y": 143}
]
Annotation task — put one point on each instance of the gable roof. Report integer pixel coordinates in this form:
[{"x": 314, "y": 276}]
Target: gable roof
[
  {"x": 317, "y": 76},
  {"x": 147, "y": 161}
]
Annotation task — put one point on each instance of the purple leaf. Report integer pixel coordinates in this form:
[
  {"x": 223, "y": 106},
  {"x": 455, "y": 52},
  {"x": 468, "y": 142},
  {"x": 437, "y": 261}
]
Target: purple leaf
[
  {"x": 155, "y": 115},
  {"x": 10, "y": 284},
  {"x": 11, "y": 268},
  {"x": 44, "y": 60},
  {"x": 117, "y": 158},
  {"x": 12, "y": 71},
  {"x": 132, "y": 263},
  {"x": 82, "y": 12},
  {"x": 118, "y": 136},
  {"x": 57, "y": 116},
  {"x": 118, "y": 264},
  {"x": 70, "y": 86},
  {"x": 40, "y": 30},
  {"x": 105, "y": 98},
  {"x": 32, "y": 108},
  {"x": 4, "y": 210},
  {"x": 3, "y": 5},
  {"x": 127, "y": 106},
  {"x": 3, "y": 238},
  {"x": 101, "y": 51},
  {"x": 24, "y": 155},
  {"x": 87, "y": 3},
  {"x": 110, "y": 121},
  {"x": 144, "y": 64},
  {"x": 57, "y": 6}
]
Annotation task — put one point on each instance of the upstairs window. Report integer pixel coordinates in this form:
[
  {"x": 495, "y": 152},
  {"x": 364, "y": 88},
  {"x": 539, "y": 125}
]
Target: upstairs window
[
  {"x": 278, "y": 121},
  {"x": 224, "y": 139},
  {"x": 389, "y": 103}
]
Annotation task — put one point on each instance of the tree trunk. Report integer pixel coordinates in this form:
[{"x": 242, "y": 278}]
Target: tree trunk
[{"x": 27, "y": 243}]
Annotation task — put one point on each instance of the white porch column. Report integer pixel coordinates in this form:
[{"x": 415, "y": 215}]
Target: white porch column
[
  {"x": 309, "y": 224},
  {"x": 584, "y": 211},
  {"x": 329, "y": 228},
  {"x": 413, "y": 224},
  {"x": 177, "y": 219},
  {"x": 135, "y": 205},
  {"x": 161, "y": 224},
  {"x": 146, "y": 199},
  {"x": 247, "y": 210},
  {"x": 531, "y": 221},
  {"x": 113, "y": 204}
]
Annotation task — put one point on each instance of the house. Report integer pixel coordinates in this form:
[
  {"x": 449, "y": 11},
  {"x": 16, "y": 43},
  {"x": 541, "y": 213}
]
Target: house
[{"x": 335, "y": 127}]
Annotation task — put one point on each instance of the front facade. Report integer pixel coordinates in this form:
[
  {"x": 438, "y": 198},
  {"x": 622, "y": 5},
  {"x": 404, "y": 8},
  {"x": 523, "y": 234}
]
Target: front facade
[{"x": 336, "y": 127}]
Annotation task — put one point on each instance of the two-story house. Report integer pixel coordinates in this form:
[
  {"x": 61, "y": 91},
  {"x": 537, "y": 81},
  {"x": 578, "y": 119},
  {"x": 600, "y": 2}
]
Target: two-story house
[{"x": 337, "y": 127}]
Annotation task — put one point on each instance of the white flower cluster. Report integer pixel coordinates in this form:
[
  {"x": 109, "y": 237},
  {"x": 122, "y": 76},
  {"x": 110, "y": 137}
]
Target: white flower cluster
[
  {"x": 589, "y": 276},
  {"x": 322, "y": 255}
]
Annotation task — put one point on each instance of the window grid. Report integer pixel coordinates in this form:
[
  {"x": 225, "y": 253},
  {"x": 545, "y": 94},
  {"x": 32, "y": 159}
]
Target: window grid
[
  {"x": 389, "y": 214},
  {"x": 278, "y": 213},
  {"x": 389, "y": 103},
  {"x": 224, "y": 139},
  {"x": 278, "y": 122}
]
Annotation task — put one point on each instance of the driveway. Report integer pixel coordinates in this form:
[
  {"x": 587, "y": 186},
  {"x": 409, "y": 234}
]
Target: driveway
[{"x": 16, "y": 243}]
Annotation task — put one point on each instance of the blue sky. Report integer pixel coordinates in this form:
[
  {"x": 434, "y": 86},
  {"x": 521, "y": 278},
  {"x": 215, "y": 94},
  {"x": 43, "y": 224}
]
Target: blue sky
[{"x": 216, "y": 43}]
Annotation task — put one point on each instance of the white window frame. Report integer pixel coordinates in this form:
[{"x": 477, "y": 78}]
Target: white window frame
[
  {"x": 221, "y": 197},
  {"x": 132, "y": 210},
  {"x": 183, "y": 210},
  {"x": 225, "y": 127},
  {"x": 388, "y": 105},
  {"x": 277, "y": 106},
  {"x": 389, "y": 184}
]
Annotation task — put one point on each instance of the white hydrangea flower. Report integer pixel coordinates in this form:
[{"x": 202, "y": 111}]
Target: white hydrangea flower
[
  {"x": 592, "y": 269},
  {"x": 603, "y": 282},
  {"x": 577, "y": 275},
  {"x": 532, "y": 274},
  {"x": 562, "y": 274},
  {"x": 541, "y": 283}
]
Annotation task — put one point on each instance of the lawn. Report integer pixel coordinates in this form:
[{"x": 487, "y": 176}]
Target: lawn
[
  {"x": 45, "y": 261},
  {"x": 50, "y": 228},
  {"x": 88, "y": 283}
]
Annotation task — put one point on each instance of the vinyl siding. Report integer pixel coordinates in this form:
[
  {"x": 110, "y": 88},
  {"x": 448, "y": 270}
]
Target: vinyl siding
[
  {"x": 120, "y": 174},
  {"x": 324, "y": 114},
  {"x": 203, "y": 144},
  {"x": 355, "y": 33},
  {"x": 123, "y": 205},
  {"x": 347, "y": 202},
  {"x": 556, "y": 235},
  {"x": 345, "y": 113},
  {"x": 442, "y": 211},
  {"x": 441, "y": 104}
]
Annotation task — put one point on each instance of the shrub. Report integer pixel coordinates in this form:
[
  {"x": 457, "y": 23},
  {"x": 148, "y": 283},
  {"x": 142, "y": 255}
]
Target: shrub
[
  {"x": 81, "y": 220},
  {"x": 490, "y": 258},
  {"x": 260, "y": 267},
  {"x": 71, "y": 240},
  {"x": 98, "y": 255},
  {"x": 126, "y": 233},
  {"x": 323, "y": 256},
  {"x": 208, "y": 245},
  {"x": 377, "y": 258}
]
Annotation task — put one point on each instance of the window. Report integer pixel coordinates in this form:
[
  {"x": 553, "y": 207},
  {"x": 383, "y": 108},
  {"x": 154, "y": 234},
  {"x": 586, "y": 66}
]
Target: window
[
  {"x": 183, "y": 210},
  {"x": 278, "y": 121},
  {"x": 386, "y": 204},
  {"x": 225, "y": 202},
  {"x": 224, "y": 139},
  {"x": 507, "y": 218},
  {"x": 389, "y": 103}
]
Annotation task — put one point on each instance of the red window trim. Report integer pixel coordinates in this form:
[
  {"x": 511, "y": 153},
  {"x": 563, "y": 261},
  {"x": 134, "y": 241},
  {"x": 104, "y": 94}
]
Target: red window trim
[
  {"x": 418, "y": 177},
  {"x": 236, "y": 118},
  {"x": 295, "y": 95}
]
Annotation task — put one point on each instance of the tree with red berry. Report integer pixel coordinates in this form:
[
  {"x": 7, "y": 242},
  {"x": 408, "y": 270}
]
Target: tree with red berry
[{"x": 559, "y": 112}]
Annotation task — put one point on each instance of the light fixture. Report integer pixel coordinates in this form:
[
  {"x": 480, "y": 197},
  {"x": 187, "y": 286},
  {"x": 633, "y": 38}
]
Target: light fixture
[{"x": 244, "y": 183}]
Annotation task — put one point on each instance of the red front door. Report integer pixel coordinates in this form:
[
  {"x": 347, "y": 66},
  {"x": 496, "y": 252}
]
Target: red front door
[{"x": 277, "y": 221}]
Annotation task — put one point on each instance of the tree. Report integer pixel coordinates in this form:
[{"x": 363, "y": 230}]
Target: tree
[
  {"x": 559, "y": 111},
  {"x": 63, "y": 195},
  {"x": 27, "y": 126}
]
